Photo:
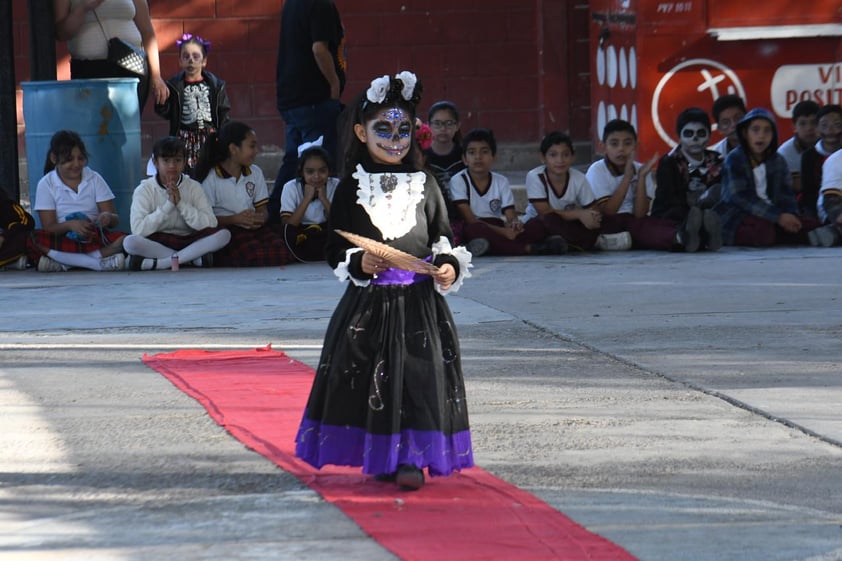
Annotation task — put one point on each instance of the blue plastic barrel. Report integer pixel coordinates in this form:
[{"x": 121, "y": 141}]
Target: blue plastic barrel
[{"x": 105, "y": 113}]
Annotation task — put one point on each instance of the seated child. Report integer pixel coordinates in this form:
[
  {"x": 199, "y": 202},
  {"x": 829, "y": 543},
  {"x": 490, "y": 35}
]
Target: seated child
[
  {"x": 15, "y": 226},
  {"x": 77, "y": 212},
  {"x": 172, "y": 220},
  {"x": 804, "y": 118},
  {"x": 444, "y": 156},
  {"x": 727, "y": 111},
  {"x": 830, "y": 140},
  {"x": 561, "y": 198},
  {"x": 487, "y": 205},
  {"x": 830, "y": 204},
  {"x": 238, "y": 193},
  {"x": 305, "y": 204},
  {"x": 689, "y": 177},
  {"x": 758, "y": 206},
  {"x": 624, "y": 188}
]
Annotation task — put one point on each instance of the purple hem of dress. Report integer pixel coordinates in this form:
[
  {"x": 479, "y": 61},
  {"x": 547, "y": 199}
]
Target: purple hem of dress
[{"x": 320, "y": 445}]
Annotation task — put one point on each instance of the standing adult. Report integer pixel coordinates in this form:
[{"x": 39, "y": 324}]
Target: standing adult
[
  {"x": 87, "y": 26},
  {"x": 310, "y": 80}
]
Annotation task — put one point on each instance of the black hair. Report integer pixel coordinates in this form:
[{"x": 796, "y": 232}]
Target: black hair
[
  {"x": 618, "y": 125},
  {"x": 727, "y": 101},
  {"x": 311, "y": 152},
  {"x": 169, "y": 147},
  {"x": 692, "y": 115},
  {"x": 804, "y": 109},
  {"x": 362, "y": 111},
  {"x": 445, "y": 105},
  {"x": 553, "y": 138},
  {"x": 827, "y": 109},
  {"x": 480, "y": 135},
  {"x": 215, "y": 149},
  {"x": 61, "y": 147}
]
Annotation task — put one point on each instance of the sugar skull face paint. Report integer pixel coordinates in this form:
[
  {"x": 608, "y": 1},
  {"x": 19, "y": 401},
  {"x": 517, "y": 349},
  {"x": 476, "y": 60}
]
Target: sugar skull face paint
[
  {"x": 388, "y": 135},
  {"x": 694, "y": 138}
]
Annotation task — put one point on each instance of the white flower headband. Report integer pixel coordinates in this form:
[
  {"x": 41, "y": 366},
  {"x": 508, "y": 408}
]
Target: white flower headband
[{"x": 385, "y": 89}]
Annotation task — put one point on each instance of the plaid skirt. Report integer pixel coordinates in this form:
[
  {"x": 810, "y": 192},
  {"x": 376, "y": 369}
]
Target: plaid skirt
[
  {"x": 306, "y": 243},
  {"x": 61, "y": 242},
  {"x": 177, "y": 242},
  {"x": 263, "y": 247}
]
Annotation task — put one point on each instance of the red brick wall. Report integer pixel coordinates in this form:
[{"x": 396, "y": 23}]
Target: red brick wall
[{"x": 519, "y": 67}]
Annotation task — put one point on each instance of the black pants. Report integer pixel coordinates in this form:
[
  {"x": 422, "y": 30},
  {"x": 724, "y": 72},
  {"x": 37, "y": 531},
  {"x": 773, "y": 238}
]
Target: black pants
[{"x": 84, "y": 69}]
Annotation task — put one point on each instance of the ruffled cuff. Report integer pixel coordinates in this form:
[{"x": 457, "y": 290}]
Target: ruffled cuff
[
  {"x": 343, "y": 270},
  {"x": 462, "y": 255}
]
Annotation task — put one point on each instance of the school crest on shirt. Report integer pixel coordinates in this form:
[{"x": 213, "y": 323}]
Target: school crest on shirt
[
  {"x": 250, "y": 188},
  {"x": 495, "y": 205}
]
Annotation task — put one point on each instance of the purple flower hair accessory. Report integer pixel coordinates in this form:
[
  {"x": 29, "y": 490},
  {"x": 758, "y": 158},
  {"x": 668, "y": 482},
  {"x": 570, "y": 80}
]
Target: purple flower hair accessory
[{"x": 188, "y": 37}]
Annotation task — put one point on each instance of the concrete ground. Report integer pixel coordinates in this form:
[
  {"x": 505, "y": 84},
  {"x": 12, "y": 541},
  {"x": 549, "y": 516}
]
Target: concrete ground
[{"x": 686, "y": 407}]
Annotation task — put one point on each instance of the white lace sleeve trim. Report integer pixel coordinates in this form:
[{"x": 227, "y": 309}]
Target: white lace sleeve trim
[
  {"x": 342, "y": 271},
  {"x": 462, "y": 255}
]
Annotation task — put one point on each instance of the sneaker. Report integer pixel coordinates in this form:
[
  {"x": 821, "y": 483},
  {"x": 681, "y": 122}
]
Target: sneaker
[
  {"x": 688, "y": 235},
  {"x": 823, "y": 236},
  {"x": 48, "y": 265},
  {"x": 712, "y": 229},
  {"x": 116, "y": 262},
  {"x": 409, "y": 478},
  {"x": 552, "y": 245},
  {"x": 18, "y": 264},
  {"x": 621, "y": 241},
  {"x": 478, "y": 246}
]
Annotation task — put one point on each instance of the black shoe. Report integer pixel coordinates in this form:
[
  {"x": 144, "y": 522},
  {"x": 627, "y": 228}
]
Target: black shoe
[
  {"x": 207, "y": 260},
  {"x": 409, "y": 478},
  {"x": 135, "y": 263},
  {"x": 712, "y": 229},
  {"x": 478, "y": 246},
  {"x": 552, "y": 245},
  {"x": 386, "y": 477},
  {"x": 688, "y": 235}
]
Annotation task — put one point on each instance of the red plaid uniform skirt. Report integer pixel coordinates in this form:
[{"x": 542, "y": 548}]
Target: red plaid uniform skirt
[{"x": 263, "y": 247}]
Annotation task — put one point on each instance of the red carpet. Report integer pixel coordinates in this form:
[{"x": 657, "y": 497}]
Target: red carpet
[{"x": 258, "y": 396}]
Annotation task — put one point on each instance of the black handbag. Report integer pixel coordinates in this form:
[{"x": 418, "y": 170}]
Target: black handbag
[{"x": 123, "y": 54}]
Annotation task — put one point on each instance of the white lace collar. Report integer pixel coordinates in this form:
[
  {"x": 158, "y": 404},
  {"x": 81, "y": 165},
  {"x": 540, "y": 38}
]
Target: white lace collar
[{"x": 390, "y": 199}]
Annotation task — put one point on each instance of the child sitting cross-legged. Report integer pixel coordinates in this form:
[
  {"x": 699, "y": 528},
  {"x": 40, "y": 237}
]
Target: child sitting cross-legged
[{"x": 486, "y": 203}]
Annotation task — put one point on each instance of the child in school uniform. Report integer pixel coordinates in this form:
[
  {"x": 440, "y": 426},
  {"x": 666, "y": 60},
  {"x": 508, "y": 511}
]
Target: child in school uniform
[
  {"x": 830, "y": 204},
  {"x": 561, "y": 197},
  {"x": 624, "y": 189},
  {"x": 305, "y": 203},
  {"x": 829, "y": 119},
  {"x": 237, "y": 192},
  {"x": 804, "y": 120},
  {"x": 77, "y": 212},
  {"x": 15, "y": 226},
  {"x": 198, "y": 102},
  {"x": 758, "y": 207},
  {"x": 172, "y": 221},
  {"x": 727, "y": 111},
  {"x": 487, "y": 205}
]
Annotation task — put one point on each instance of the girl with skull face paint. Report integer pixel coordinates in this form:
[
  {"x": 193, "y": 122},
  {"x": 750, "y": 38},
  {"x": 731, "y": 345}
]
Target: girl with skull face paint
[
  {"x": 688, "y": 180},
  {"x": 389, "y": 395}
]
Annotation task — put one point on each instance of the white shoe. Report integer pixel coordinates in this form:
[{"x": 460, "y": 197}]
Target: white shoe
[
  {"x": 48, "y": 265},
  {"x": 18, "y": 264},
  {"x": 621, "y": 241},
  {"x": 116, "y": 262}
]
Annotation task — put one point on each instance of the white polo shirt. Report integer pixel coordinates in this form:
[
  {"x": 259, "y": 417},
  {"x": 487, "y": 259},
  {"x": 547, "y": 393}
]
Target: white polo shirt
[
  {"x": 576, "y": 193},
  {"x": 604, "y": 184},
  {"x": 831, "y": 180},
  {"x": 492, "y": 203},
  {"x": 230, "y": 195},
  {"x": 292, "y": 195},
  {"x": 53, "y": 194}
]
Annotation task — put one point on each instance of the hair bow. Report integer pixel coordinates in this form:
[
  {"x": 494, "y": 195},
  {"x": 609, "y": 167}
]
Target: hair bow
[
  {"x": 187, "y": 37},
  {"x": 302, "y": 147}
]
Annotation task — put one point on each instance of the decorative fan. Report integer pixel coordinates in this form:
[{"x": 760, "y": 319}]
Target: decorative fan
[{"x": 394, "y": 257}]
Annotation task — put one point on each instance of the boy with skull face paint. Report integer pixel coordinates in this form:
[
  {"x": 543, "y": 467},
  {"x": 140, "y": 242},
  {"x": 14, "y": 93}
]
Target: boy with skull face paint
[
  {"x": 688, "y": 179},
  {"x": 389, "y": 394}
]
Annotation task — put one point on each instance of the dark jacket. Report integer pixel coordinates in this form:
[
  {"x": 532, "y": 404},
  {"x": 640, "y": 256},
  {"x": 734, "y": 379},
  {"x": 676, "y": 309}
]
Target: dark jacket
[
  {"x": 171, "y": 108},
  {"x": 739, "y": 194},
  {"x": 674, "y": 195}
]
